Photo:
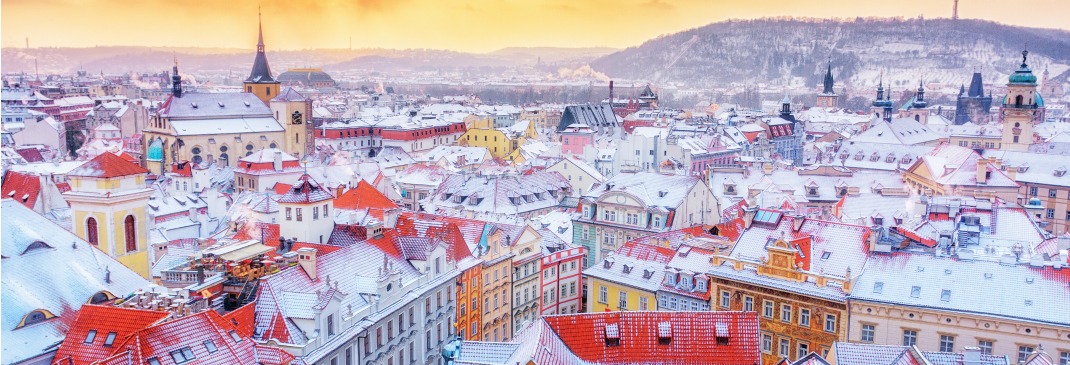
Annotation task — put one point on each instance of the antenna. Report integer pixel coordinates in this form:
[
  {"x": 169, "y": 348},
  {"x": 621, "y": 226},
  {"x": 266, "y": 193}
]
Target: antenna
[{"x": 955, "y": 10}]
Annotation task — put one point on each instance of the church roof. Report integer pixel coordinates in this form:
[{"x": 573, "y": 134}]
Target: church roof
[
  {"x": 977, "y": 87},
  {"x": 261, "y": 73}
]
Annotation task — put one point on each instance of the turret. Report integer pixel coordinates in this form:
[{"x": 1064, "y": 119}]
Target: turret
[{"x": 176, "y": 81}]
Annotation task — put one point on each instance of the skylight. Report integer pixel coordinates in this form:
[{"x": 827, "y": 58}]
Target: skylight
[
  {"x": 108, "y": 341},
  {"x": 878, "y": 287},
  {"x": 915, "y": 291},
  {"x": 92, "y": 335},
  {"x": 945, "y": 295}
]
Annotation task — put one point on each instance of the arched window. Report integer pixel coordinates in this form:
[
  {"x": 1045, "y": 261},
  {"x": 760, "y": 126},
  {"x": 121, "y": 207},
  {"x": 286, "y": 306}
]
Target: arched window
[
  {"x": 100, "y": 297},
  {"x": 1018, "y": 100},
  {"x": 224, "y": 159},
  {"x": 91, "y": 231},
  {"x": 131, "y": 234},
  {"x": 917, "y": 118},
  {"x": 35, "y": 317}
]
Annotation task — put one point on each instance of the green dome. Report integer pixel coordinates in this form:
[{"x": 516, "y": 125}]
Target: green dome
[{"x": 1023, "y": 76}]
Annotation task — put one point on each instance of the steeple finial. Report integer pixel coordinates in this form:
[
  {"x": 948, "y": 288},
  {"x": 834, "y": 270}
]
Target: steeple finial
[
  {"x": 260, "y": 26},
  {"x": 1025, "y": 54}
]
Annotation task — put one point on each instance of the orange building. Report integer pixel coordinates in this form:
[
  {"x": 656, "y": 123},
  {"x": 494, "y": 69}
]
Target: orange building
[{"x": 469, "y": 295}]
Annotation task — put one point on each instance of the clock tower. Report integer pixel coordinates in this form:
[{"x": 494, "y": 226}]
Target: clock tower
[
  {"x": 1022, "y": 108},
  {"x": 294, "y": 112}
]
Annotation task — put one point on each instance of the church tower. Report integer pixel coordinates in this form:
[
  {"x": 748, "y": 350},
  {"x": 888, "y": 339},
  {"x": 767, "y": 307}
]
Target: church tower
[
  {"x": 917, "y": 108},
  {"x": 108, "y": 200},
  {"x": 828, "y": 98},
  {"x": 176, "y": 81},
  {"x": 294, "y": 112},
  {"x": 260, "y": 81},
  {"x": 1022, "y": 108},
  {"x": 877, "y": 107}
]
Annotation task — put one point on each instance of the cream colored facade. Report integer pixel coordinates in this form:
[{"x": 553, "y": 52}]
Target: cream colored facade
[
  {"x": 1006, "y": 336},
  {"x": 497, "y": 289}
]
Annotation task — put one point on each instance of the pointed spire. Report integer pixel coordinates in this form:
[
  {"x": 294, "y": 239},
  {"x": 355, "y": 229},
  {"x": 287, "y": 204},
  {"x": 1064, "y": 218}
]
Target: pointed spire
[
  {"x": 260, "y": 32},
  {"x": 176, "y": 80},
  {"x": 828, "y": 78}
]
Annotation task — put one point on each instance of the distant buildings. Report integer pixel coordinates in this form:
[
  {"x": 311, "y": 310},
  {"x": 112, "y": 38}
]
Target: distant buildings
[
  {"x": 973, "y": 105},
  {"x": 313, "y": 78}
]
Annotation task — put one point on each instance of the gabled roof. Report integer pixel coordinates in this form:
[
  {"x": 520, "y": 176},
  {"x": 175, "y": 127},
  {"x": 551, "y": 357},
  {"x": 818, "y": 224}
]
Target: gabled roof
[
  {"x": 290, "y": 94},
  {"x": 306, "y": 191},
  {"x": 626, "y": 338},
  {"x": 23, "y": 188},
  {"x": 105, "y": 320},
  {"x": 365, "y": 196},
  {"x": 107, "y": 165}
]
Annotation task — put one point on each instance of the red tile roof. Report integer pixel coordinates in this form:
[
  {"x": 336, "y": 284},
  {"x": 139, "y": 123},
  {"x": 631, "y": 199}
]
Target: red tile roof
[
  {"x": 694, "y": 337},
  {"x": 192, "y": 333},
  {"x": 30, "y": 154},
  {"x": 23, "y": 188},
  {"x": 281, "y": 188},
  {"x": 182, "y": 168},
  {"x": 104, "y": 319},
  {"x": 129, "y": 157},
  {"x": 365, "y": 196},
  {"x": 107, "y": 165},
  {"x": 646, "y": 252},
  {"x": 307, "y": 191}
]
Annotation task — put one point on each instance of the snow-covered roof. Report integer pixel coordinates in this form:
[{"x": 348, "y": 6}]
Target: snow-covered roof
[
  {"x": 215, "y": 106},
  {"x": 50, "y": 269},
  {"x": 653, "y": 189},
  {"x": 193, "y": 127}
]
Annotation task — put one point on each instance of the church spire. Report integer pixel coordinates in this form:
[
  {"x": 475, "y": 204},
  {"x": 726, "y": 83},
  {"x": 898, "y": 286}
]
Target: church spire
[
  {"x": 176, "y": 80},
  {"x": 260, "y": 25},
  {"x": 828, "y": 78}
]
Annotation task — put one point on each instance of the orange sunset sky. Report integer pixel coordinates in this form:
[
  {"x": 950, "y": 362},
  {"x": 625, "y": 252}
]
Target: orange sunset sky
[{"x": 463, "y": 25}]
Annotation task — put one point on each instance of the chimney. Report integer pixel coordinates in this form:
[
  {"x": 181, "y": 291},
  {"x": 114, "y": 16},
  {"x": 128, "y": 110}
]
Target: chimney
[
  {"x": 982, "y": 170},
  {"x": 611, "y": 94},
  {"x": 748, "y": 216},
  {"x": 971, "y": 355},
  {"x": 306, "y": 257},
  {"x": 874, "y": 238},
  {"x": 797, "y": 221},
  {"x": 278, "y": 161},
  {"x": 390, "y": 218}
]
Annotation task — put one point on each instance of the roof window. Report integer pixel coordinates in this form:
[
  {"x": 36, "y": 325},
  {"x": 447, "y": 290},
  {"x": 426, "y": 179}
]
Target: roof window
[
  {"x": 210, "y": 346},
  {"x": 108, "y": 341},
  {"x": 664, "y": 333},
  {"x": 612, "y": 335},
  {"x": 945, "y": 295},
  {"x": 182, "y": 355},
  {"x": 89, "y": 337},
  {"x": 915, "y": 291}
]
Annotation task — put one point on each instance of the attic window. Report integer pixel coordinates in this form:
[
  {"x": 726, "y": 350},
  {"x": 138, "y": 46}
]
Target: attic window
[
  {"x": 915, "y": 292},
  {"x": 945, "y": 295},
  {"x": 612, "y": 335},
  {"x": 182, "y": 355},
  {"x": 664, "y": 333},
  {"x": 878, "y": 287},
  {"x": 153, "y": 361},
  {"x": 108, "y": 341},
  {"x": 730, "y": 189},
  {"x": 234, "y": 336},
  {"x": 89, "y": 337},
  {"x": 825, "y": 255},
  {"x": 34, "y": 246},
  {"x": 210, "y": 346},
  {"x": 627, "y": 269},
  {"x": 721, "y": 333},
  {"x": 647, "y": 274}
]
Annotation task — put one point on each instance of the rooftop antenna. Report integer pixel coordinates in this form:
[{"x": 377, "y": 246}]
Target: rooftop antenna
[{"x": 955, "y": 10}]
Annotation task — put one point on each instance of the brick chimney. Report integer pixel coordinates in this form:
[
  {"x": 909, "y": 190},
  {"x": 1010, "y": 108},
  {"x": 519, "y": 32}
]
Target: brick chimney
[
  {"x": 306, "y": 257},
  {"x": 748, "y": 216},
  {"x": 278, "y": 161},
  {"x": 971, "y": 355}
]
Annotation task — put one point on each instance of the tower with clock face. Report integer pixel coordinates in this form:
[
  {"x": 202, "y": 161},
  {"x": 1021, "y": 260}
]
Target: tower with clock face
[
  {"x": 1022, "y": 108},
  {"x": 294, "y": 112}
]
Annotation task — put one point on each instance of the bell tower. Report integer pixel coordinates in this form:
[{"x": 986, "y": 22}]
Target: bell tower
[
  {"x": 260, "y": 81},
  {"x": 1021, "y": 108}
]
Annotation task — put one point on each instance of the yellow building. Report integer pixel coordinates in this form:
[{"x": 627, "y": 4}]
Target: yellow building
[
  {"x": 108, "y": 199},
  {"x": 501, "y": 142},
  {"x": 627, "y": 279},
  {"x": 497, "y": 289},
  {"x": 1023, "y": 107}
]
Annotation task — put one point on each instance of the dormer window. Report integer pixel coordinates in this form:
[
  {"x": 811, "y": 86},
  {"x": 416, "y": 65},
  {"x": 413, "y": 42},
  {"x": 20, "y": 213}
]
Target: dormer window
[
  {"x": 664, "y": 333},
  {"x": 811, "y": 191},
  {"x": 612, "y": 335},
  {"x": 874, "y": 157},
  {"x": 730, "y": 189},
  {"x": 890, "y": 158}
]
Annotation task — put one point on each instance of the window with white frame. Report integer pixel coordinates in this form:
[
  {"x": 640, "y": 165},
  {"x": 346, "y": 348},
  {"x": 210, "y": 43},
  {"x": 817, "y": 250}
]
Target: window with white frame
[
  {"x": 804, "y": 317},
  {"x": 868, "y": 332},
  {"x": 603, "y": 294},
  {"x": 726, "y": 299},
  {"x": 785, "y": 313}
]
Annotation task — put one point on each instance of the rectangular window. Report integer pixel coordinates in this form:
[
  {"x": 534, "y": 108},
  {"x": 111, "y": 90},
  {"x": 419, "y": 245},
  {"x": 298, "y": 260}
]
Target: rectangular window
[
  {"x": 1053, "y": 193},
  {"x": 868, "y": 332},
  {"x": 315, "y": 213},
  {"x": 298, "y": 214},
  {"x": 1024, "y": 352},
  {"x": 785, "y": 313},
  {"x": 1032, "y": 191},
  {"x": 726, "y": 299},
  {"x": 804, "y": 317},
  {"x": 603, "y": 294},
  {"x": 622, "y": 300},
  {"x": 1064, "y": 358},
  {"x": 785, "y": 347},
  {"x": 767, "y": 311},
  {"x": 985, "y": 346},
  {"x": 349, "y": 356},
  {"x": 910, "y": 337},
  {"x": 642, "y": 303},
  {"x": 767, "y": 343},
  {"x": 803, "y": 350},
  {"x": 830, "y": 323},
  {"x": 748, "y": 304},
  {"x": 947, "y": 343},
  {"x": 330, "y": 325},
  {"x": 1050, "y": 214}
]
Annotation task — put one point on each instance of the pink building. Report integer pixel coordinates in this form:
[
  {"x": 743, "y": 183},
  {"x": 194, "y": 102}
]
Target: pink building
[
  {"x": 562, "y": 282},
  {"x": 575, "y": 137}
]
